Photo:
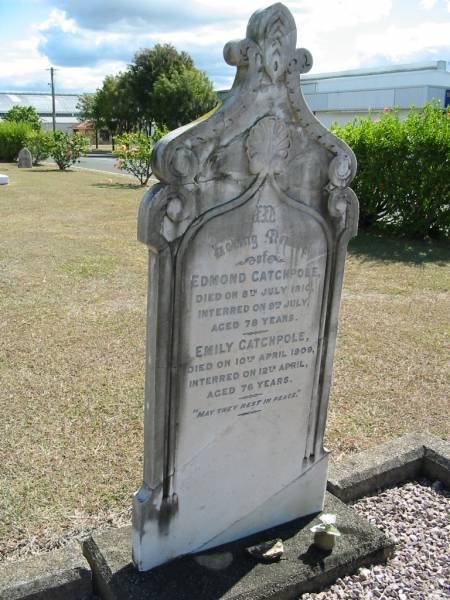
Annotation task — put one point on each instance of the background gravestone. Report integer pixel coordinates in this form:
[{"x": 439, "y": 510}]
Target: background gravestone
[
  {"x": 247, "y": 236},
  {"x": 25, "y": 160}
]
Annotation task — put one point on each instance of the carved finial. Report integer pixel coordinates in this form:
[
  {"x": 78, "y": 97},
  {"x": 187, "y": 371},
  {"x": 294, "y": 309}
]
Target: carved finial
[
  {"x": 273, "y": 29},
  {"x": 271, "y": 35},
  {"x": 267, "y": 111}
]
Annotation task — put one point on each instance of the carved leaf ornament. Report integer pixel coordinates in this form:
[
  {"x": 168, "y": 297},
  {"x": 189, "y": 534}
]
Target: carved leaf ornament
[
  {"x": 275, "y": 58},
  {"x": 268, "y": 146}
]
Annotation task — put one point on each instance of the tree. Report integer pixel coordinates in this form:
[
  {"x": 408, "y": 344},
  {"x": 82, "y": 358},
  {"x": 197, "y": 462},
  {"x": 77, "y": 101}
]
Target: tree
[
  {"x": 27, "y": 114},
  {"x": 114, "y": 104},
  {"x": 147, "y": 66},
  {"x": 181, "y": 96},
  {"x": 139, "y": 98},
  {"x": 89, "y": 110}
]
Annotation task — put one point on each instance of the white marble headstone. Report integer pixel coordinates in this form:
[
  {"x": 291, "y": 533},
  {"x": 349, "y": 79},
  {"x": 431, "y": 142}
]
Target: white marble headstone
[{"x": 247, "y": 236}]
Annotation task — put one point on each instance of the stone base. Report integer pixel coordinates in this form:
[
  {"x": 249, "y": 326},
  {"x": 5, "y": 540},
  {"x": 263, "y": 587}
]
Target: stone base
[
  {"x": 395, "y": 462},
  {"x": 57, "y": 575},
  {"x": 229, "y": 573}
]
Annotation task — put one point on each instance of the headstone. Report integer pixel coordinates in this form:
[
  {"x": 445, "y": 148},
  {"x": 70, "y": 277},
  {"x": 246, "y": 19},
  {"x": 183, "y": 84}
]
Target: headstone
[
  {"x": 25, "y": 160},
  {"x": 247, "y": 233},
  {"x": 4, "y": 179}
]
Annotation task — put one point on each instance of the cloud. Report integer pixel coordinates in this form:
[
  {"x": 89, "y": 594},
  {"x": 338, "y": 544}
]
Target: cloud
[
  {"x": 23, "y": 68},
  {"x": 90, "y": 33},
  {"x": 154, "y": 15},
  {"x": 85, "y": 79},
  {"x": 73, "y": 49},
  {"x": 399, "y": 44},
  {"x": 88, "y": 40},
  {"x": 430, "y": 4},
  {"x": 65, "y": 44},
  {"x": 427, "y": 4}
]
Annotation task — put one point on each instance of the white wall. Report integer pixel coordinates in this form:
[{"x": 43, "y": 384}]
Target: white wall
[{"x": 342, "y": 96}]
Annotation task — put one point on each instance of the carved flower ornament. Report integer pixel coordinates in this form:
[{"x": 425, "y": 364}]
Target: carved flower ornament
[{"x": 268, "y": 146}]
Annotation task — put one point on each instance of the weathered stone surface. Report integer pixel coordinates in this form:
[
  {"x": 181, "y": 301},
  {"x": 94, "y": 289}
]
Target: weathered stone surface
[
  {"x": 25, "y": 160},
  {"x": 247, "y": 233},
  {"x": 436, "y": 460},
  {"x": 231, "y": 573},
  {"x": 4, "y": 179},
  {"x": 389, "y": 464},
  {"x": 58, "y": 575}
]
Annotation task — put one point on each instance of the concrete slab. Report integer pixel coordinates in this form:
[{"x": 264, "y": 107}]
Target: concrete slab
[
  {"x": 58, "y": 575},
  {"x": 229, "y": 573},
  {"x": 393, "y": 463},
  {"x": 436, "y": 460}
]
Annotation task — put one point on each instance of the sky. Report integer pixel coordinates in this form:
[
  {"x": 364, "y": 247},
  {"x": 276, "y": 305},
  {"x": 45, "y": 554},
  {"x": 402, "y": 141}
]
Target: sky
[{"x": 85, "y": 40}]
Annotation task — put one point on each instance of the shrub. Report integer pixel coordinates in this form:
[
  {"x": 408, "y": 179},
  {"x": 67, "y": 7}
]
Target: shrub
[
  {"x": 27, "y": 114},
  {"x": 134, "y": 153},
  {"x": 40, "y": 145},
  {"x": 13, "y": 137},
  {"x": 66, "y": 149},
  {"x": 403, "y": 178}
]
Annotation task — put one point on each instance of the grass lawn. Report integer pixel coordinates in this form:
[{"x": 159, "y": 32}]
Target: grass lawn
[{"x": 72, "y": 306}]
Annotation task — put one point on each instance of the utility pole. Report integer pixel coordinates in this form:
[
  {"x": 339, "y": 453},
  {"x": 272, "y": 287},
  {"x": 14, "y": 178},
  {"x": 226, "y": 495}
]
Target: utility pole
[{"x": 52, "y": 79}]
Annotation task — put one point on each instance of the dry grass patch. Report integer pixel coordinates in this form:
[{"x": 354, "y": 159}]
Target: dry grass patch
[
  {"x": 72, "y": 323},
  {"x": 391, "y": 372}
]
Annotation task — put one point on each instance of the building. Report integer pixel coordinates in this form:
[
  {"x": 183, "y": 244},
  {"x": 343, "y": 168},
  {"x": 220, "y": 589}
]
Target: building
[
  {"x": 342, "y": 96},
  {"x": 333, "y": 97},
  {"x": 101, "y": 136},
  {"x": 67, "y": 114}
]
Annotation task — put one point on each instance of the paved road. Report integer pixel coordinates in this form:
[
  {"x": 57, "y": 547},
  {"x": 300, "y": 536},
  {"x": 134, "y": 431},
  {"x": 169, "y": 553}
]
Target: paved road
[{"x": 97, "y": 162}]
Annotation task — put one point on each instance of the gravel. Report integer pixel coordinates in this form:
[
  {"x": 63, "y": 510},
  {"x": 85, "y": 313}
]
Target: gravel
[{"x": 417, "y": 517}]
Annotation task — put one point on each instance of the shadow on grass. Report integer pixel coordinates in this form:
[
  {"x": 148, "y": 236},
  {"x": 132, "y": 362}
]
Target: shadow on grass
[
  {"x": 41, "y": 170},
  {"x": 372, "y": 246},
  {"x": 119, "y": 186}
]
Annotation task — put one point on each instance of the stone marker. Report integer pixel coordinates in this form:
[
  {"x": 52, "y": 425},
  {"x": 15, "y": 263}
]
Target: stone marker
[
  {"x": 4, "y": 179},
  {"x": 247, "y": 236},
  {"x": 25, "y": 160}
]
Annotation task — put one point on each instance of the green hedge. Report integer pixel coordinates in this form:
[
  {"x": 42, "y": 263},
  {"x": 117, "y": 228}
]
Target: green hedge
[
  {"x": 13, "y": 136},
  {"x": 403, "y": 178}
]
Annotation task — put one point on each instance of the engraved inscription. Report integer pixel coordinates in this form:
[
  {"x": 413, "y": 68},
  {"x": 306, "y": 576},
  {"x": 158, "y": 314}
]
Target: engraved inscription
[{"x": 250, "y": 336}]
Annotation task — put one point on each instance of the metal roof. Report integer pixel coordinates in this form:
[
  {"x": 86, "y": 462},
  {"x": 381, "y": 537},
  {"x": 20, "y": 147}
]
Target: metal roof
[
  {"x": 65, "y": 104},
  {"x": 61, "y": 120},
  {"x": 436, "y": 65}
]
